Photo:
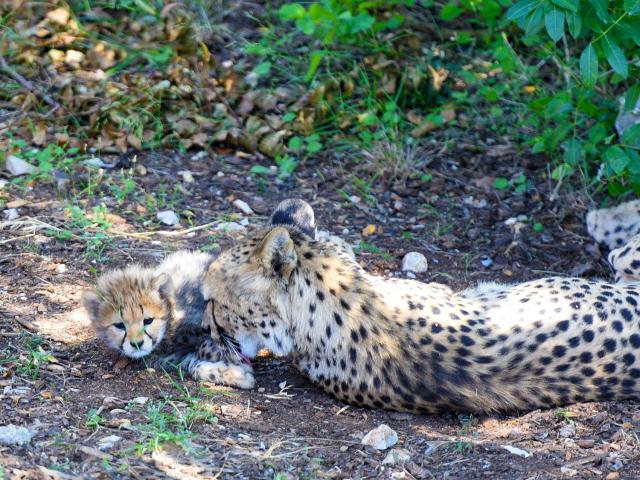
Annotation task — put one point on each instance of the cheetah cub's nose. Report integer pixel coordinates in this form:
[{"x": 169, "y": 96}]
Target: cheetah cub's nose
[{"x": 136, "y": 345}]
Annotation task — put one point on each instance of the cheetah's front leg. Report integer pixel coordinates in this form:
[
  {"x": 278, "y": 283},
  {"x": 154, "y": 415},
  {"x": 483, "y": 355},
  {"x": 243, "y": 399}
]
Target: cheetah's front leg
[{"x": 210, "y": 364}]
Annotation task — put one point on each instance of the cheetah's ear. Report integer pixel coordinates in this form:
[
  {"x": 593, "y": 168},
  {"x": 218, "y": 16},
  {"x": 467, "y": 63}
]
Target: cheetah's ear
[
  {"x": 163, "y": 284},
  {"x": 276, "y": 253},
  {"x": 92, "y": 303},
  {"x": 297, "y": 213}
]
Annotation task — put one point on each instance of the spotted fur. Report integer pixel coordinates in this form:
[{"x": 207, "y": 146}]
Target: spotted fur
[
  {"x": 615, "y": 226},
  {"x": 420, "y": 347},
  {"x": 625, "y": 261}
]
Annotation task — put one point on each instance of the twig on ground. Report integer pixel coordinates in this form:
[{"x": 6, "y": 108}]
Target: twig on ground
[{"x": 27, "y": 84}]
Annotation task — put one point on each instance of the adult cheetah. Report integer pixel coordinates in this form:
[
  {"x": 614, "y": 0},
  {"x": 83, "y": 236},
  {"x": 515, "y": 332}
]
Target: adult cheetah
[{"x": 420, "y": 347}]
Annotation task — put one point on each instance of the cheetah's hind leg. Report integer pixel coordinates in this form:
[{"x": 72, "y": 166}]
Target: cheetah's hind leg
[{"x": 625, "y": 261}]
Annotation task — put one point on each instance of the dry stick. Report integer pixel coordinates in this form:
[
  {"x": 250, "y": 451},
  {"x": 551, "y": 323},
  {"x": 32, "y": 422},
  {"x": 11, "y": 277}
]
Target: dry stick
[{"x": 27, "y": 84}]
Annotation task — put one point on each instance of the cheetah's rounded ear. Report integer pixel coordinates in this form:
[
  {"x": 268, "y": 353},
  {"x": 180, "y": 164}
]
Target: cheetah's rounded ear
[
  {"x": 276, "y": 253},
  {"x": 163, "y": 284},
  {"x": 297, "y": 213},
  {"x": 92, "y": 303}
]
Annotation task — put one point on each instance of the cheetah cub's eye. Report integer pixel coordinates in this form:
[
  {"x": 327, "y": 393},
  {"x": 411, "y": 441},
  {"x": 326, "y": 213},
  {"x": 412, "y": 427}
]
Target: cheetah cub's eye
[
  {"x": 148, "y": 321},
  {"x": 120, "y": 326}
]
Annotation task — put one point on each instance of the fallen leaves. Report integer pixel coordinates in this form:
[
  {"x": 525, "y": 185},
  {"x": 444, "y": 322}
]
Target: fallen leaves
[{"x": 134, "y": 84}]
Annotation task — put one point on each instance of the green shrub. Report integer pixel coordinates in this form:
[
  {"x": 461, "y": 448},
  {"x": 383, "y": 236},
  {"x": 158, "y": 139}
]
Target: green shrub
[{"x": 596, "y": 44}]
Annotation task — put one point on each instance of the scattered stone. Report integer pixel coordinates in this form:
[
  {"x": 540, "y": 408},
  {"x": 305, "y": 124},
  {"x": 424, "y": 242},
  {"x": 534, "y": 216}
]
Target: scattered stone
[
  {"x": 3, "y": 182},
  {"x": 141, "y": 170},
  {"x": 486, "y": 261},
  {"x": 112, "y": 402},
  {"x": 398, "y": 206},
  {"x": 61, "y": 178},
  {"x": 344, "y": 448},
  {"x": 516, "y": 451},
  {"x": 187, "y": 176},
  {"x": 242, "y": 206},
  {"x": 107, "y": 443},
  {"x": 168, "y": 217},
  {"x": 569, "y": 472},
  {"x": 567, "y": 431},
  {"x": 95, "y": 162},
  {"x": 433, "y": 446},
  {"x": 612, "y": 476},
  {"x": 626, "y": 120},
  {"x": 230, "y": 227},
  {"x": 397, "y": 455},
  {"x": 20, "y": 391},
  {"x": 380, "y": 438},
  {"x": 232, "y": 410},
  {"x": 473, "y": 233},
  {"x": 140, "y": 400},
  {"x": 354, "y": 199},
  {"x": 11, "y": 214},
  {"x": 16, "y": 166},
  {"x": 414, "y": 262},
  {"x": 586, "y": 443},
  {"x": 15, "y": 435},
  {"x": 474, "y": 202}
]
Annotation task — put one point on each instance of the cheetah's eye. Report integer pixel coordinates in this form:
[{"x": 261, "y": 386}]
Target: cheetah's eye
[
  {"x": 120, "y": 326},
  {"x": 148, "y": 321}
]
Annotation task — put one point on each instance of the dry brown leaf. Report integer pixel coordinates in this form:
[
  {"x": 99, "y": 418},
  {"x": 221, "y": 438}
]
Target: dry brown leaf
[
  {"x": 39, "y": 135},
  {"x": 59, "y": 15},
  {"x": 368, "y": 230},
  {"x": 438, "y": 77},
  {"x": 272, "y": 144}
]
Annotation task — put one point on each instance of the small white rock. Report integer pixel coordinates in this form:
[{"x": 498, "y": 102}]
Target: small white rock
[
  {"x": 354, "y": 199},
  {"x": 381, "y": 437},
  {"x": 486, "y": 261},
  {"x": 107, "y": 443},
  {"x": 168, "y": 217},
  {"x": 11, "y": 214},
  {"x": 569, "y": 472},
  {"x": 95, "y": 162},
  {"x": 397, "y": 455},
  {"x": 229, "y": 227},
  {"x": 15, "y": 435},
  {"x": 414, "y": 262},
  {"x": 140, "y": 400},
  {"x": 20, "y": 390},
  {"x": 242, "y": 206},
  {"x": 161, "y": 85},
  {"x": 567, "y": 431},
  {"x": 516, "y": 451},
  {"x": 16, "y": 166},
  {"x": 187, "y": 176}
]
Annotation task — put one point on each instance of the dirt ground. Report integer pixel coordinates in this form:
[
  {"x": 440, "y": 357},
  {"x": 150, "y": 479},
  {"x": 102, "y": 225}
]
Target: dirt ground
[{"x": 58, "y": 380}]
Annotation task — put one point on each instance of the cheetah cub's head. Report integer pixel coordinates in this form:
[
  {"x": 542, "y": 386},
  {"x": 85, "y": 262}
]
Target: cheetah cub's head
[{"x": 131, "y": 309}]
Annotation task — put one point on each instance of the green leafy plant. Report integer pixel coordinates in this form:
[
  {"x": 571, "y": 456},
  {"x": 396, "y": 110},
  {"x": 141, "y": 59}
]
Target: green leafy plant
[
  {"x": 36, "y": 357},
  {"x": 595, "y": 44},
  {"x": 93, "y": 420}
]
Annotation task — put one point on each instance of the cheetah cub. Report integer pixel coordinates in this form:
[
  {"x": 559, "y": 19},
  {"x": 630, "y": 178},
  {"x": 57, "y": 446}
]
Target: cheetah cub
[{"x": 138, "y": 310}]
